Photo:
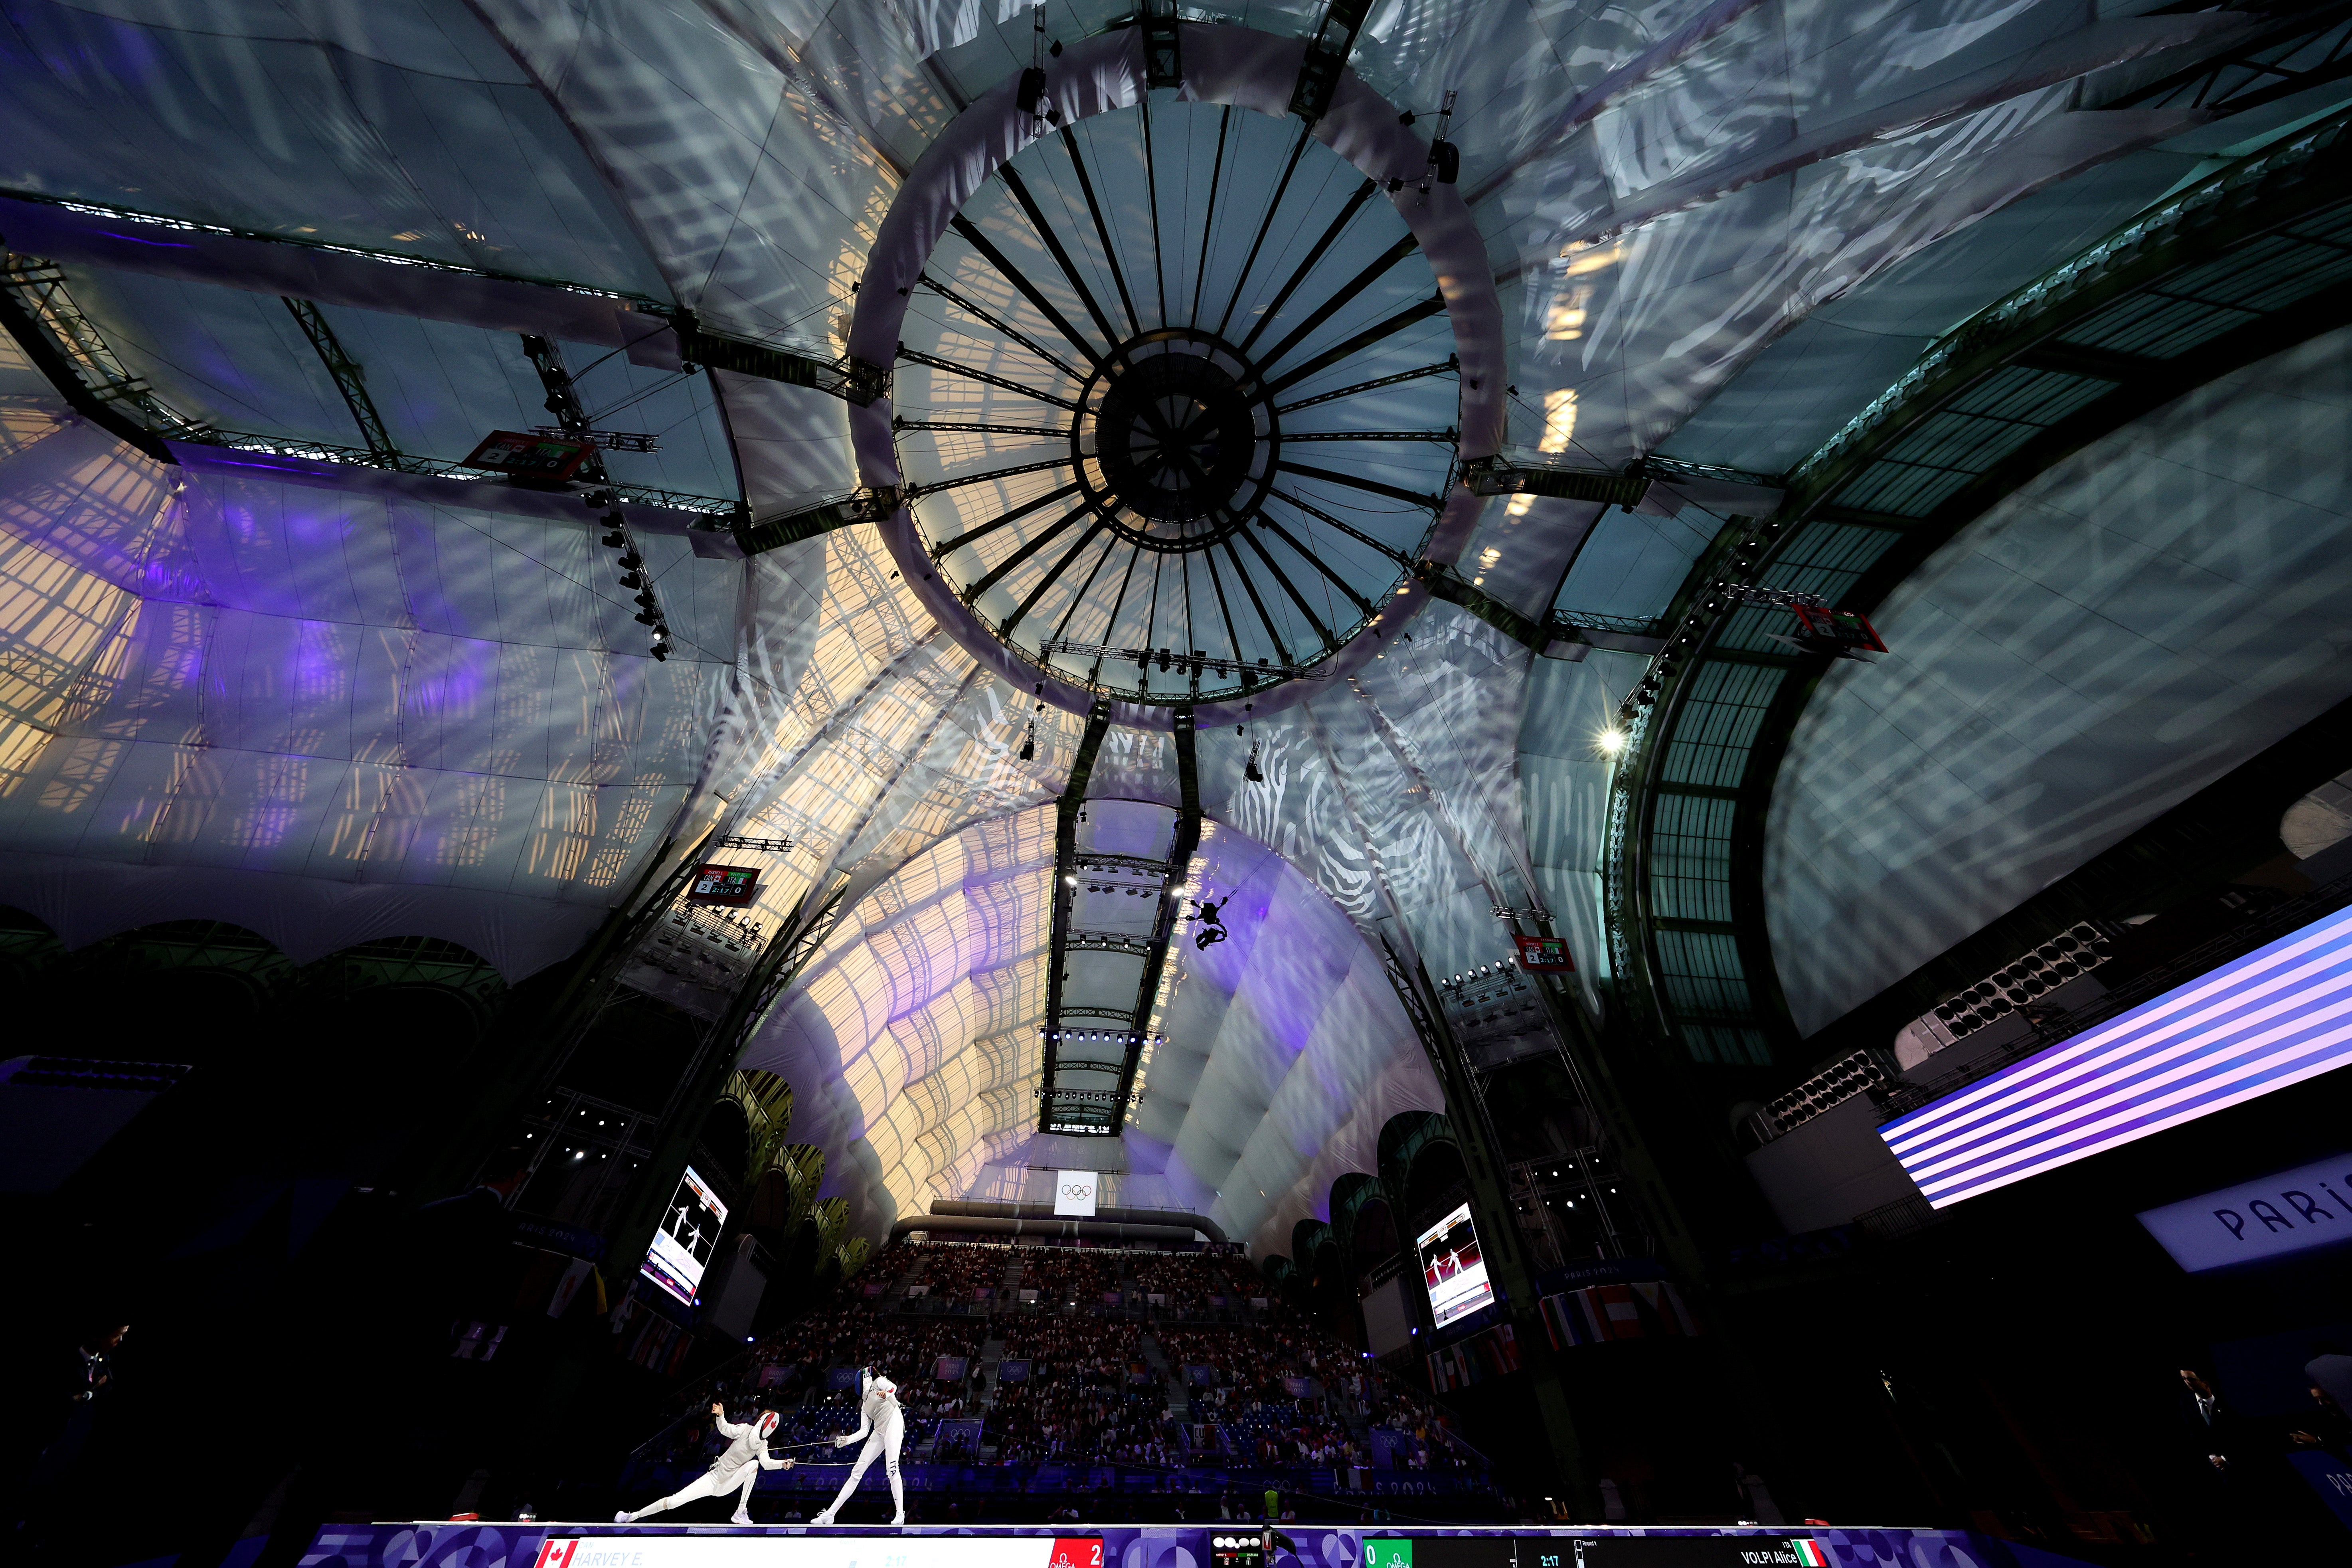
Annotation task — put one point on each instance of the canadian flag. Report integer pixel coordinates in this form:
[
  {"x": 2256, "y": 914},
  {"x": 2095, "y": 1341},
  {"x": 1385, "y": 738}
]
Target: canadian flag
[{"x": 556, "y": 1553}]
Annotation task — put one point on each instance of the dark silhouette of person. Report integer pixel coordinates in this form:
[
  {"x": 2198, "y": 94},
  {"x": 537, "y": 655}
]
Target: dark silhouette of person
[{"x": 1213, "y": 925}]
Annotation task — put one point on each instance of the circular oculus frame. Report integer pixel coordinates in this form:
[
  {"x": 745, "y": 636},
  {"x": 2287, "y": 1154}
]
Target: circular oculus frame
[{"x": 1171, "y": 451}]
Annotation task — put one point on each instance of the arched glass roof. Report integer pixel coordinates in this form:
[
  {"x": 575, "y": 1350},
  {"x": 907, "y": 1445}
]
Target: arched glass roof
[{"x": 355, "y": 693}]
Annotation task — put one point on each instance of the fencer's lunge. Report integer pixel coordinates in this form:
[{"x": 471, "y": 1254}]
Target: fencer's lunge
[
  {"x": 883, "y": 1425},
  {"x": 735, "y": 1471}
]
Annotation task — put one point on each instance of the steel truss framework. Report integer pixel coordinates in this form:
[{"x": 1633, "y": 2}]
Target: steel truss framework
[
  {"x": 842, "y": 377},
  {"x": 2237, "y": 267},
  {"x": 38, "y": 309},
  {"x": 1091, "y": 1109}
]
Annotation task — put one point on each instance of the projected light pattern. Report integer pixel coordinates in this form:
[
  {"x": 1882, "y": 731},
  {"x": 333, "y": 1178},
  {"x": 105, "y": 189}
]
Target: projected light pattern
[{"x": 2274, "y": 1017}]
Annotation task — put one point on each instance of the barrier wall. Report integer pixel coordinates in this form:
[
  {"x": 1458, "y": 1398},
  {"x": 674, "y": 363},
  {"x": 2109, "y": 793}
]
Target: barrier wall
[{"x": 652, "y": 1545}]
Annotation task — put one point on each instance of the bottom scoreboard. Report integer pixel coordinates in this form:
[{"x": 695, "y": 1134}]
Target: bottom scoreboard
[
  {"x": 1615, "y": 1551},
  {"x": 667, "y": 1551}
]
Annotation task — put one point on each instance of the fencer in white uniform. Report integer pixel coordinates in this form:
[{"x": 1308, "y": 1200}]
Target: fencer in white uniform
[
  {"x": 883, "y": 1424},
  {"x": 735, "y": 1470}
]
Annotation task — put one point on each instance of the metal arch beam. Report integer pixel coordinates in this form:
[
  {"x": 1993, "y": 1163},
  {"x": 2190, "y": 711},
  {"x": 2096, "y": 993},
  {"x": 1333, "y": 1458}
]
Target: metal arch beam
[
  {"x": 1273, "y": 203},
  {"x": 1358, "y": 535},
  {"x": 1441, "y": 438},
  {"x": 916, "y": 492},
  {"x": 654, "y": 331},
  {"x": 1357, "y": 481},
  {"x": 1433, "y": 306},
  {"x": 1409, "y": 979},
  {"x": 37, "y": 312},
  {"x": 949, "y": 427},
  {"x": 1102, "y": 229},
  {"x": 997, "y": 573},
  {"x": 1853, "y": 481},
  {"x": 1020, "y": 189},
  {"x": 350, "y": 377},
  {"x": 1315, "y": 558},
  {"x": 1029, "y": 291},
  {"x": 66, "y": 348},
  {"x": 1314, "y": 257},
  {"x": 1051, "y": 576},
  {"x": 979, "y": 313},
  {"x": 1339, "y": 299},
  {"x": 1451, "y": 365},
  {"x": 1249, "y": 586},
  {"x": 915, "y": 356},
  {"x": 941, "y": 551},
  {"x": 1330, "y": 643},
  {"x": 1066, "y": 849},
  {"x": 1224, "y": 608},
  {"x": 1209, "y": 222}
]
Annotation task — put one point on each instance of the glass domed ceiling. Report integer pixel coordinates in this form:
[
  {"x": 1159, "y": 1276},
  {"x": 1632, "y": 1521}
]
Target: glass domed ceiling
[{"x": 1175, "y": 404}]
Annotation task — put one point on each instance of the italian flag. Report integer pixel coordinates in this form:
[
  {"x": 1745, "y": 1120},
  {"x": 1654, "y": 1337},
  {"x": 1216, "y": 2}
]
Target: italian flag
[{"x": 1810, "y": 1554}]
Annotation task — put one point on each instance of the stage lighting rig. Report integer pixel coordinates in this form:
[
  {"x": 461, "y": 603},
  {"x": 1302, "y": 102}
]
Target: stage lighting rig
[
  {"x": 1195, "y": 662},
  {"x": 762, "y": 846}
]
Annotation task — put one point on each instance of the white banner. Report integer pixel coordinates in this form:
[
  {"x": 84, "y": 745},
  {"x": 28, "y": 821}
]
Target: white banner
[{"x": 1074, "y": 1193}]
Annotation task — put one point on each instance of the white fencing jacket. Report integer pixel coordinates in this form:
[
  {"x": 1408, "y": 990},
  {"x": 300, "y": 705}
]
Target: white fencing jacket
[{"x": 749, "y": 1446}]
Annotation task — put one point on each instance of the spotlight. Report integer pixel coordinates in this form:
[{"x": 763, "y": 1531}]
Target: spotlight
[{"x": 1611, "y": 742}]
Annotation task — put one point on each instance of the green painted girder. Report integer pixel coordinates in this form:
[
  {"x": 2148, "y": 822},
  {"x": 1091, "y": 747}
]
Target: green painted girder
[
  {"x": 2258, "y": 207},
  {"x": 1066, "y": 857}
]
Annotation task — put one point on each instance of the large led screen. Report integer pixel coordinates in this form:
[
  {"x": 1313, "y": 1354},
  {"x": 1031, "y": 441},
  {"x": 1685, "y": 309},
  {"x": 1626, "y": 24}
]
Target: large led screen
[
  {"x": 2274, "y": 1017},
  {"x": 688, "y": 1236},
  {"x": 1453, "y": 1267}
]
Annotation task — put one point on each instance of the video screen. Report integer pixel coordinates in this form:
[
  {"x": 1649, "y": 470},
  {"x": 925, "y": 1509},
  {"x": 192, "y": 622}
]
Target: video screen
[
  {"x": 688, "y": 1236},
  {"x": 1453, "y": 1267},
  {"x": 2274, "y": 1017}
]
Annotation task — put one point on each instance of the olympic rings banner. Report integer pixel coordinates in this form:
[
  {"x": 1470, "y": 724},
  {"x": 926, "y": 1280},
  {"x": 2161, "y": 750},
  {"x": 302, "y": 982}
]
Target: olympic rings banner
[{"x": 1074, "y": 1193}]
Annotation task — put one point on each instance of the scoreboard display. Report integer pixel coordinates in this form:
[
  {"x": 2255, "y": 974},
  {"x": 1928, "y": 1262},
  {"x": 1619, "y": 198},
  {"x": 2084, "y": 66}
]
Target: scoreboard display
[{"x": 1760, "y": 1551}]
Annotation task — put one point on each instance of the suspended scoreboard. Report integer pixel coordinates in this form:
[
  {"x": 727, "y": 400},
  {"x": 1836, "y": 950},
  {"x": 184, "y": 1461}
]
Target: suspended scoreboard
[
  {"x": 546, "y": 459},
  {"x": 1545, "y": 955},
  {"x": 728, "y": 887}
]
